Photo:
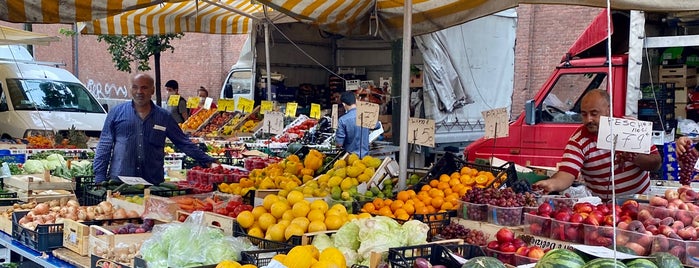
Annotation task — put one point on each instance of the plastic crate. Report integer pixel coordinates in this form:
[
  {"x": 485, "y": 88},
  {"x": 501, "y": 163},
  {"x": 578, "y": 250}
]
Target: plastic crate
[
  {"x": 436, "y": 254},
  {"x": 262, "y": 243},
  {"x": 449, "y": 163},
  {"x": 653, "y": 107},
  {"x": 8, "y": 198},
  {"x": 262, "y": 257},
  {"x": 80, "y": 182},
  {"x": 658, "y": 91},
  {"x": 44, "y": 238},
  {"x": 435, "y": 221}
]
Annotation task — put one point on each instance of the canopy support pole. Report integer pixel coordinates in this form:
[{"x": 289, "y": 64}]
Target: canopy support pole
[
  {"x": 268, "y": 66},
  {"x": 405, "y": 93}
]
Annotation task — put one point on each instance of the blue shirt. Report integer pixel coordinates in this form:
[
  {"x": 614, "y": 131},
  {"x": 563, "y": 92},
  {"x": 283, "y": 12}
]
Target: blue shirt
[
  {"x": 131, "y": 146},
  {"x": 352, "y": 138}
]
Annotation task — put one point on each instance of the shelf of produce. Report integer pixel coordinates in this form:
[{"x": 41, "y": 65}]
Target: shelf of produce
[{"x": 42, "y": 259}]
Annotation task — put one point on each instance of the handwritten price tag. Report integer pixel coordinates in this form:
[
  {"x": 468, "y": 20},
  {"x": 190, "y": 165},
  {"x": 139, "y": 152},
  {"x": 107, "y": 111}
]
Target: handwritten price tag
[
  {"x": 291, "y": 109},
  {"x": 192, "y": 102},
  {"x": 367, "y": 114},
  {"x": 173, "y": 100},
  {"x": 334, "y": 116},
  {"x": 629, "y": 135},
  {"x": 225, "y": 105},
  {"x": 265, "y": 106},
  {"x": 352, "y": 85},
  {"x": 496, "y": 123},
  {"x": 421, "y": 131},
  {"x": 245, "y": 105},
  {"x": 273, "y": 123},
  {"x": 134, "y": 180},
  {"x": 315, "y": 110},
  {"x": 207, "y": 103}
]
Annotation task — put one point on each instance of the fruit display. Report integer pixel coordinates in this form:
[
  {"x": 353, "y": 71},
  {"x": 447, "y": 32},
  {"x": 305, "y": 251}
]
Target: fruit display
[
  {"x": 196, "y": 120},
  {"x": 342, "y": 179},
  {"x": 296, "y": 130},
  {"x": 505, "y": 246},
  {"x": 218, "y": 174},
  {"x": 504, "y": 202},
  {"x": 470, "y": 236},
  {"x": 211, "y": 127},
  {"x": 320, "y": 133},
  {"x": 39, "y": 142},
  {"x": 221, "y": 205}
]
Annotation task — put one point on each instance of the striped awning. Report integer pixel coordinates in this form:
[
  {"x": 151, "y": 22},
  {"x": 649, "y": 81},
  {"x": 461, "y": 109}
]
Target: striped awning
[
  {"x": 362, "y": 17},
  {"x": 66, "y": 11},
  {"x": 201, "y": 16},
  {"x": 12, "y": 36}
]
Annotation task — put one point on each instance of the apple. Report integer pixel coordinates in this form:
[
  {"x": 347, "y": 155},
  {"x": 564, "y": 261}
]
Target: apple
[
  {"x": 535, "y": 228},
  {"x": 603, "y": 209},
  {"x": 507, "y": 247},
  {"x": 644, "y": 214},
  {"x": 494, "y": 245},
  {"x": 562, "y": 216},
  {"x": 640, "y": 250},
  {"x": 518, "y": 243},
  {"x": 670, "y": 194},
  {"x": 609, "y": 220},
  {"x": 522, "y": 251},
  {"x": 687, "y": 233},
  {"x": 584, "y": 207},
  {"x": 545, "y": 209},
  {"x": 625, "y": 218},
  {"x": 577, "y": 218},
  {"x": 536, "y": 252},
  {"x": 504, "y": 235}
]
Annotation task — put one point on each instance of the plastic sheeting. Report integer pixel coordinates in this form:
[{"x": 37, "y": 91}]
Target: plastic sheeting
[{"x": 469, "y": 68}]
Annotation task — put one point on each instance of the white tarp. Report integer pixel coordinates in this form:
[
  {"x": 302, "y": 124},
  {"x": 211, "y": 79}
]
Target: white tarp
[{"x": 469, "y": 68}]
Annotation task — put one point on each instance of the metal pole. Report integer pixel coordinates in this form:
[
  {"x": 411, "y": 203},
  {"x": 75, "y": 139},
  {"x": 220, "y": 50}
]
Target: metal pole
[
  {"x": 268, "y": 64},
  {"x": 76, "y": 62},
  {"x": 405, "y": 93}
]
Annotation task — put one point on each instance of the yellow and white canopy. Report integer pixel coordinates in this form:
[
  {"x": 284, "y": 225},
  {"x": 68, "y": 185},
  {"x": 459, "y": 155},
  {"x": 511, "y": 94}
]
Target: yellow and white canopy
[{"x": 66, "y": 11}]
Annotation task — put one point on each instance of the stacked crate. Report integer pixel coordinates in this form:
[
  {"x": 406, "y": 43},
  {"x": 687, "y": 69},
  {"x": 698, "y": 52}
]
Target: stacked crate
[
  {"x": 658, "y": 106},
  {"x": 684, "y": 79}
]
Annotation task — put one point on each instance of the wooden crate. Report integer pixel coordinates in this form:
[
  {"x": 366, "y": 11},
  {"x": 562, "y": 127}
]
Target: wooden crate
[
  {"x": 214, "y": 220},
  {"x": 76, "y": 237},
  {"x": 682, "y": 94},
  {"x": 39, "y": 182},
  {"x": 107, "y": 240},
  {"x": 120, "y": 203},
  {"x": 681, "y": 75},
  {"x": 680, "y": 110}
]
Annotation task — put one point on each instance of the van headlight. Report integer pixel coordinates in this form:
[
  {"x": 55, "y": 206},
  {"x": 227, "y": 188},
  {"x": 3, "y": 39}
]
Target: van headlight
[{"x": 37, "y": 132}]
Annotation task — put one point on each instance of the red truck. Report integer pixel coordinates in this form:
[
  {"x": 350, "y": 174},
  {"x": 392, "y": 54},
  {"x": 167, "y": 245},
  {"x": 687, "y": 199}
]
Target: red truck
[{"x": 539, "y": 134}]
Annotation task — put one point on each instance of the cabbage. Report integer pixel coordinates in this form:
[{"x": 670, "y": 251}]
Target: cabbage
[
  {"x": 322, "y": 241},
  {"x": 378, "y": 234},
  {"x": 32, "y": 166},
  {"x": 347, "y": 236},
  {"x": 415, "y": 232},
  {"x": 351, "y": 256}
]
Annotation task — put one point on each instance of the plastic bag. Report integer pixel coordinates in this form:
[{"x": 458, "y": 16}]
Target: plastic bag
[{"x": 688, "y": 127}]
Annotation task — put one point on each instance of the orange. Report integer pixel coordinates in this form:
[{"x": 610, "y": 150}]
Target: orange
[
  {"x": 468, "y": 180},
  {"x": 410, "y": 202},
  {"x": 409, "y": 208},
  {"x": 378, "y": 203},
  {"x": 387, "y": 202},
  {"x": 465, "y": 170},
  {"x": 246, "y": 219},
  {"x": 455, "y": 175},
  {"x": 447, "y": 191},
  {"x": 385, "y": 211},
  {"x": 422, "y": 210},
  {"x": 434, "y": 183},
  {"x": 431, "y": 209},
  {"x": 368, "y": 207},
  {"x": 444, "y": 177},
  {"x": 447, "y": 206},
  {"x": 453, "y": 199},
  {"x": 481, "y": 179},
  {"x": 333, "y": 222},
  {"x": 397, "y": 205},
  {"x": 399, "y": 211},
  {"x": 436, "y": 192},
  {"x": 463, "y": 191},
  {"x": 425, "y": 188},
  {"x": 411, "y": 193},
  {"x": 443, "y": 185},
  {"x": 403, "y": 195},
  {"x": 404, "y": 217},
  {"x": 437, "y": 202}
]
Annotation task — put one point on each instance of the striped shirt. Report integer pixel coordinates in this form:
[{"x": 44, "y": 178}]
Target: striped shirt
[{"x": 581, "y": 157}]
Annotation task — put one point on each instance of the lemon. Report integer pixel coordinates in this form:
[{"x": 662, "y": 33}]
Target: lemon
[
  {"x": 320, "y": 205},
  {"x": 294, "y": 197},
  {"x": 364, "y": 215},
  {"x": 256, "y": 232},
  {"x": 266, "y": 220},
  {"x": 340, "y": 208},
  {"x": 276, "y": 232},
  {"x": 288, "y": 215},
  {"x": 333, "y": 222},
  {"x": 284, "y": 222},
  {"x": 301, "y": 209},
  {"x": 278, "y": 209},
  {"x": 316, "y": 226},
  {"x": 258, "y": 211},
  {"x": 316, "y": 215},
  {"x": 269, "y": 200},
  {"x": 301, "y": 222},
  {"x": 292, "y": 230},
  {"x": 246, "y": 219}
]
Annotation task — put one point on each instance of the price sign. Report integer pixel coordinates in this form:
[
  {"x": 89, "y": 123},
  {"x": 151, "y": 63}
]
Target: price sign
[
  {"x": 334, "y": 115},
  {"x": 367, "y": 114},
  {"x": 629, "y": 135},
  {"x": 225, "y": 105},
  {"x": 291, "y": 109},
  {"x": 245, "y": 105},
  {"x": 266, "y": 106},
  {"x": 207, "y": 103},
  {"x": 273, "y": 123},
  {"x": 352, "y": 85},
  {"x": 421, "y": 131},
  {"x": 315, "y": 110},
  {"x": 496, "y": 120},
  {"x": 192, "y": 102},
  {"x": 134, "y": 180},
  {"x": 173, "y": 100}
]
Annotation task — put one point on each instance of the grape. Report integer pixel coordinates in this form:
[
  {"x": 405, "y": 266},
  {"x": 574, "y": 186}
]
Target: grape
[
  {"x": 686, "y": 165},
  {"x": 455, "y": 231}
]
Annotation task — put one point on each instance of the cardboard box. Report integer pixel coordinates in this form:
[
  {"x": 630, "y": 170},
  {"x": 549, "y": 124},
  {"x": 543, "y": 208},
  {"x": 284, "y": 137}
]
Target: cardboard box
[
  {"x": 680, "y": 109},
  {"x": 76, "y": 237},
  {"x": 682, "y": 95}
]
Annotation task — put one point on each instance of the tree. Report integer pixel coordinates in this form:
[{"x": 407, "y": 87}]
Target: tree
[{"x": 139, "y": 48}]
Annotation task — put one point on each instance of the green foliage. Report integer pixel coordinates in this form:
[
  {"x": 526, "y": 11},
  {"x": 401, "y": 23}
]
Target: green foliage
[{"x": 137, "y": 48}]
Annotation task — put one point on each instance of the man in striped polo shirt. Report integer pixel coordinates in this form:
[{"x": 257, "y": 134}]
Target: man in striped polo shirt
[{"x": 582, "y": 157}]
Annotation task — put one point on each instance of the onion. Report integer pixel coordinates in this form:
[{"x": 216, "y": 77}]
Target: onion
[
  {"x": 82, "y": 215},
  {"x": 41, "y": 209},
  {"x": 90, "y": 216},
  {"x": 54, "y": 203},
  {"x": 119, "y": 214},
  {"x": 50, "y": 219},
  {"x": 422, "y": 263},
  {"x": 106, "y": 207},
  {"x": 55, "y": 209},
  {"x": 132, "y": 214},
  {"x": 73, "y": 203},
  {"x": 91, "y": 209},
  {"x": 23, "y": 220}
]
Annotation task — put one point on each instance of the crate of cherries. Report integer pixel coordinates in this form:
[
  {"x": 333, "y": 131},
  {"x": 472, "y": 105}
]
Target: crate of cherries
[{"x": 500, "y": 206}]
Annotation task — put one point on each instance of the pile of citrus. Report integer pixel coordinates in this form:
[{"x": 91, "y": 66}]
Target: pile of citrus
[
  {"x": 279, "y": 218},
  {"x": 438, "y": 195}
]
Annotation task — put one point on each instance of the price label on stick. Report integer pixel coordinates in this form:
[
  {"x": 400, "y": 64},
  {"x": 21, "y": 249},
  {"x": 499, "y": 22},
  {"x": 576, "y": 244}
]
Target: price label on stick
[
  {"x": 352, "y": 85},
  {"x": 628, "y": 135},
  {"x": 421, "y": 131},
  {"x": 245, "y": 105},
  {"x": 273, "y": 123},
  {"x": 207, "y": 103},
  {"x": 334, "y": 116},
  {"x": 265, "y": 106},
  {"x": 315, "y": 110},
  {"x": 134, "y": 180},
  {"x": 226, "y": 105},
  {"x": 367, "y": 114},
  {"x": 173, "y": 100},
  {"x": 496, "y": 123},
  {"x": 291, "y": 109},
  {"x": 193, "y": 102}
]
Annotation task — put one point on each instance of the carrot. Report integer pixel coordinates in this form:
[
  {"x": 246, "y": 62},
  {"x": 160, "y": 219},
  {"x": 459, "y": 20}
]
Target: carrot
[
  {"x": 185, "y": 201},
  {"x": 210, "y": 201},
  {"x": 198, "y": 202},
  {"x": 186, "y": 207}
]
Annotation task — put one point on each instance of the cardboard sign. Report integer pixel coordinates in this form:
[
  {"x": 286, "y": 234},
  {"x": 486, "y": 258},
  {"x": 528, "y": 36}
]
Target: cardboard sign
[
  {"x": 134, "y": 180},
  {"x": 193, "y": 102},
  {"x": 273, "y": 123},
  {"x": 207, "y": 103},
  {"x": 629, "y": 135},
  {"x": 367, "y": 114},
  {"x": 226, "y": 105},
  {"x": 266, "y": 106},
  {"x": 351, "y": 85},
  {"x": 245, "y": 105},
  {"x": 291, "y": 109},
  {"x": 496, "y": 123},
  {"x": 315, "y": 111},
  {"x": 421, "y": 131},
  {"x": 334, "y": 116},
  {"x": 173, "y": 100},
  {"x": 602, "y": 252}
]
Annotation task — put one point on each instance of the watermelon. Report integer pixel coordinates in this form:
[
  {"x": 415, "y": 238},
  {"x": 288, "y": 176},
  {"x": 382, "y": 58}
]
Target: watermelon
[
  {"x": 623, "y": 249},
  {"x": 641, "y": 263},
  {"x": 482, "y": 262},
  {"x": 604, "y": 263},
  {"x": 666, "y": 260},
  {"x": 560, "y": 258}
]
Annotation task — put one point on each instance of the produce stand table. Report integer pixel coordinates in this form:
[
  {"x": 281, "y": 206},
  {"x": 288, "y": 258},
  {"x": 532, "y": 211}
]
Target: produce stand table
[
  {"x": 71, "y": 257},
  {"x": 48, "y": 260}
]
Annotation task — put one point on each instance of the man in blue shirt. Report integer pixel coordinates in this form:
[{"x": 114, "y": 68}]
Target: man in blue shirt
[
  {"x": 133, "y": 138},
  {"x": 349, "y": 136}
]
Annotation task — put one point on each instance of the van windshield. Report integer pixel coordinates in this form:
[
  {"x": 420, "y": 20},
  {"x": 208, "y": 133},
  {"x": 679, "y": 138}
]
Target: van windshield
[
  {"x": 239, "y": 82},
  {"x": 49, "y": 95}
]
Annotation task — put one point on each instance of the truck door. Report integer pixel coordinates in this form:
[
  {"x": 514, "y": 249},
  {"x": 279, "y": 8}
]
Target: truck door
[{"x": 557, "y": 116}]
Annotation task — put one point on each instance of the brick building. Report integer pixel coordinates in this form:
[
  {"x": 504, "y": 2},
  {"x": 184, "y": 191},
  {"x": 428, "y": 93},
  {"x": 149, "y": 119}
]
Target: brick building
[{"x": 544, "y": 33}]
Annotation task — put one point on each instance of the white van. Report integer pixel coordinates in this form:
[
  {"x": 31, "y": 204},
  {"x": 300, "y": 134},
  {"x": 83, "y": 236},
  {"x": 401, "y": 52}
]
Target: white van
[{"x": 38, "y": 99}]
